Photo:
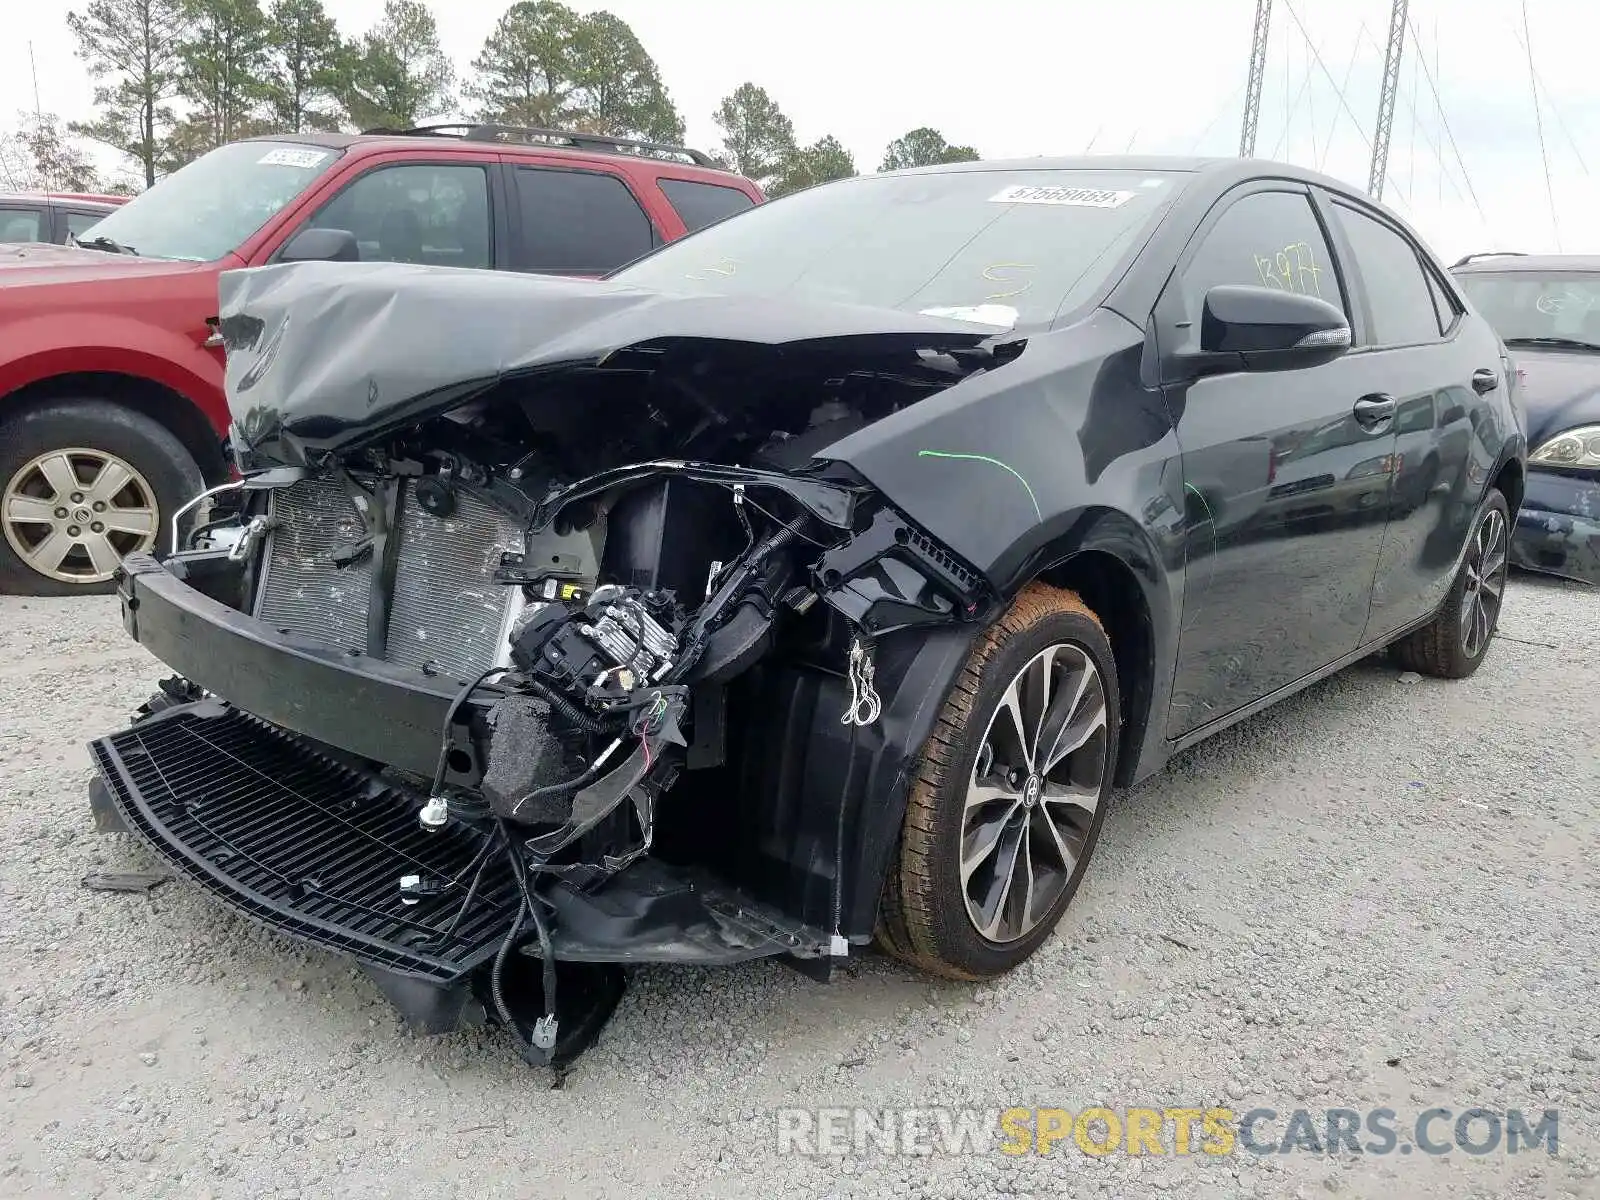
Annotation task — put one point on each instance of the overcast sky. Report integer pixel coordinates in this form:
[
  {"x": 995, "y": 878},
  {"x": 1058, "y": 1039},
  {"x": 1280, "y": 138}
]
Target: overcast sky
[{"x": 1024, "y": 77}]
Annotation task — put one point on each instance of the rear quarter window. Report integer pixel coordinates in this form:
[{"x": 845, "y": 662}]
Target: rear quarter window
[
  {"x": 577, "y": 222},
  {"x": 702, "y": 204}
]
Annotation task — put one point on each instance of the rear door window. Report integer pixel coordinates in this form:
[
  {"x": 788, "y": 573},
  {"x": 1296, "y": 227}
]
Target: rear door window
[
  {"x": 702, "y": 204},
  {"x": 1404, "y": 311},
  {"x": 577, "y": 222},
  {"x": 22, "y": 225},
  {"x": 435, "y": 214}
]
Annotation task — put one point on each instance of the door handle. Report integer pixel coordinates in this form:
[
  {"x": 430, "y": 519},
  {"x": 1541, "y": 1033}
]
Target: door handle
[
  {"x": 1484, "y": 380},
  {"x": 1374, "y": 410}
]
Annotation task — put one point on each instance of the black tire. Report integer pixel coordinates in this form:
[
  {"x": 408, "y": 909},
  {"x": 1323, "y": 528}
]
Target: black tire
[
  {"x": 923, "y": 917},
  {"x": 1441, "y": 648},
  {"x": 97, "y": 425}
]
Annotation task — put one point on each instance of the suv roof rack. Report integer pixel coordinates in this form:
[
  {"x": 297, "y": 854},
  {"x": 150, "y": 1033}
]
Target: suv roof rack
[
  {"x": 1465, "y": 259},
  {"x": 490, "y": 131}
]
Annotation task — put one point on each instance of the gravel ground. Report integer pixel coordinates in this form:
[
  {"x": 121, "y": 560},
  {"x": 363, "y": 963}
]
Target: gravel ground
[{"x": 1384, "y": 892}]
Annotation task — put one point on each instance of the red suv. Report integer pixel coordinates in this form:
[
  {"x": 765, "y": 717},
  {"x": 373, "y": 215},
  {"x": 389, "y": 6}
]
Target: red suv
[{"x": 111, "y": 403}]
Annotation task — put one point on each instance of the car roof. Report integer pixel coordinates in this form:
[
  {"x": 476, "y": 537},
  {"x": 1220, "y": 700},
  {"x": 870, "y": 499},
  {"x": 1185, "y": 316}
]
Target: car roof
[
  {"x": 1504, "y": 262},
  {"x": 382, "y": 140},
  {"x": 1222, "y": 171}
]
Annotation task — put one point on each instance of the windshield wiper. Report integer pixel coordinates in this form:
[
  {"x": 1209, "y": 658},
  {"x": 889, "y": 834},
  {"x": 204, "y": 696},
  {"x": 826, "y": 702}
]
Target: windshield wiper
[
  {"x": 102, "y": 242},
  {"x": 1555, "y": 343}
]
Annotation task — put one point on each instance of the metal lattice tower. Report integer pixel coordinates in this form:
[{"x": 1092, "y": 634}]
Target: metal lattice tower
[
  {"x": 1386, "y": 96},
  {"x": 1258, "y": 72}
]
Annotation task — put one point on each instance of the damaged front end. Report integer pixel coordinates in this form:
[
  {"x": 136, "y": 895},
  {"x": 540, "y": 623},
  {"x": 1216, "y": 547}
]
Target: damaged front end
[{"x": 520, "y": 660}]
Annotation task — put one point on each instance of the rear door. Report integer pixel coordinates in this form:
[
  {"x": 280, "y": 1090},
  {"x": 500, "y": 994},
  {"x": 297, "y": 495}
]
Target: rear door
[
  {"x": 1283, "y": 530},
  {"x": 1417, "y": 349},
  {"x": 575, "y": 220}
]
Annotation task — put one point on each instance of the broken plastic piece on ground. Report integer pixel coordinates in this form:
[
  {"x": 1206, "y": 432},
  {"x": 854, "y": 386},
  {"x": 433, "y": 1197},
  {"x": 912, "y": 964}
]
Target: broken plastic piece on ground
[{"x": 125, "y": 881}]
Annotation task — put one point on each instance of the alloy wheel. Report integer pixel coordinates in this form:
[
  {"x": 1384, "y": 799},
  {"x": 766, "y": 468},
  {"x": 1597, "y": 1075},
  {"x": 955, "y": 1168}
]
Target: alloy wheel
[
  {"x": 1486, "y": 579},
  {"x": 72, "y": 514},
  {"x": 1034, "y": 791}
]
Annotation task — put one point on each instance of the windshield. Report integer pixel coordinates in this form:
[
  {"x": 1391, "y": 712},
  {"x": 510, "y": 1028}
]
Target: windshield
[
  {"x": 1002, "y": 247},
  {"x": 1524, "y": 305},
  {"x": 211, "y": 206}
]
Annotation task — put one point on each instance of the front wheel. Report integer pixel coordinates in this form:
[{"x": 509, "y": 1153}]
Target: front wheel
[
  {"x": 1453, "y": 644},
  {"x": 1009, "y": 793},
  {"x": 83, "y": 483}
]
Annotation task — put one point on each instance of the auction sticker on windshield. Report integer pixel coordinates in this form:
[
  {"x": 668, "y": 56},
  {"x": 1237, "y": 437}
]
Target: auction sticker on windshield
[
  {"x": 1078, "y": 197},
  {"x": 283, "y": 157}
]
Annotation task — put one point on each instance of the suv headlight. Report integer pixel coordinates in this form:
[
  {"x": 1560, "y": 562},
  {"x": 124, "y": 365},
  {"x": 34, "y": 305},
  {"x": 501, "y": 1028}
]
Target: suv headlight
[{"x": 1578, "y": 447}]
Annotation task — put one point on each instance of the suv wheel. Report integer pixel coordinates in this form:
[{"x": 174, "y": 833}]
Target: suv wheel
[
  {"x": 1453, "y": 644},
  {"x": 1009, "y": 793},
  {"x": 82, "y": 483}
]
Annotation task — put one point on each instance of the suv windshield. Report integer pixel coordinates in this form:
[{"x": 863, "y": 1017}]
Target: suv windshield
[
  {"x": 1558, "y": 308},
  {"x": 211, "y": 206},
  {"x": 1003, "y": 247}
]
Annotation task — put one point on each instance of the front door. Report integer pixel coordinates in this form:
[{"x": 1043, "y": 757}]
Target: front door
[{"x": 1286, "y": 476}]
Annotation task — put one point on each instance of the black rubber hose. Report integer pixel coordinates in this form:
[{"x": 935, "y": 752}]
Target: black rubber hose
[
  {"x": 472, "y": 891},
  {"x": 569, "y": 788},
  {"x": 584, "y": 721},
  {"x": 498, "y": 970},
  {"x": 449, "y": 723}
]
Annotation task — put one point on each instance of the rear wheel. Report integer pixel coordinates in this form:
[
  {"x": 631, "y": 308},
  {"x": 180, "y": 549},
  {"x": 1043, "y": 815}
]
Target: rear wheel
[
  {"x": 83, "y": 483},
  {"x": 1009, "y": 793},
  {"x": 1453, "y": 644}
]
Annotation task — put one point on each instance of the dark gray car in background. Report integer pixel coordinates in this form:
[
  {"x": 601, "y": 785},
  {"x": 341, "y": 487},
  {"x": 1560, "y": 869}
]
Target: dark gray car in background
[{"x": 1546, "y": 308}]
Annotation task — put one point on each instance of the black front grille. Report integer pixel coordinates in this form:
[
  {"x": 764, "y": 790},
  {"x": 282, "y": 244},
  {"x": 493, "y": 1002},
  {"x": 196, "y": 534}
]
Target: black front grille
[{"x": 304, "y": 844}]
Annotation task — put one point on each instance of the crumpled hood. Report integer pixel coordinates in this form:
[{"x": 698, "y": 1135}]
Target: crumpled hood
[
  {"x": 326, "y": 356},
  {"x": 36, "y": 263},
  {"x": 1559, "y": 389}
]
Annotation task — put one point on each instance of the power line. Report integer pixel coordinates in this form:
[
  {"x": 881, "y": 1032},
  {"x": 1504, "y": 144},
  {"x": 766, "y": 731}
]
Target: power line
[
  {"x": 1311, "y": 118},
  {"x": 1538, "y": 123},
  {"x": 1411, "y": 147},
  {"x": 1555, "y": 109},
  {"x": 1222, "y": 110},
  {"x": 1445, "y": 122},
  {"x": 1438, "y": 149},
  {"x": 1323, "y": 67},
  {"x": 1343, "y": 102},
  {"x": 1355, "y": 52},
  {"x": 1289, "y": 112}
]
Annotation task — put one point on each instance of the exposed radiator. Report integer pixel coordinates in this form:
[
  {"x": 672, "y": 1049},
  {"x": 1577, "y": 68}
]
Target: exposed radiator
[{"x": 446, "y": 611}]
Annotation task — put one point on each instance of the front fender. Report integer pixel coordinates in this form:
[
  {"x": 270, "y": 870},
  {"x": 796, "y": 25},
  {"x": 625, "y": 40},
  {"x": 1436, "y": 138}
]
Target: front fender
[{"x": 33, "y": 349}]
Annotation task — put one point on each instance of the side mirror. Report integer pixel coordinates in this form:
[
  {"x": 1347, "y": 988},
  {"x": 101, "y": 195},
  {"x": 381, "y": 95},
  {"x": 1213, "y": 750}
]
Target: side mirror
[
  {"x": 1264, "y": 329},
  {"x": 321, "y": 245}
]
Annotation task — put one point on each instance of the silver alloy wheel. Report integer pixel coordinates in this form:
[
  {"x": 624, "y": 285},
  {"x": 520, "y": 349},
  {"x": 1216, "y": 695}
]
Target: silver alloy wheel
[
  {"x": 1486, "y": 580},
  {"x": 72, "y": 514},
  {"x": 1034, "y": 792}
]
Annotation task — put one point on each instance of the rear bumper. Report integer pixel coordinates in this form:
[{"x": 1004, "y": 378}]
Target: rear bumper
[
  {"x": 361, "y": 705},
  {"x": 1558, "y": 526}
]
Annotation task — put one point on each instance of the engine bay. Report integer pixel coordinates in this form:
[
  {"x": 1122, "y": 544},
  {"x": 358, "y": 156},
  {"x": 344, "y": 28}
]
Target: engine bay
[{"x": 617, "y": 604}]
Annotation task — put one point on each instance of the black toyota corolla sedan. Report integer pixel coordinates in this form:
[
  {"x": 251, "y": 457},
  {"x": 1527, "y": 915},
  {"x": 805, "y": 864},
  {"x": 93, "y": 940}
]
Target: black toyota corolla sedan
[{"x": 810, "y": 582}]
